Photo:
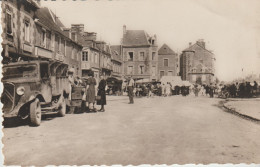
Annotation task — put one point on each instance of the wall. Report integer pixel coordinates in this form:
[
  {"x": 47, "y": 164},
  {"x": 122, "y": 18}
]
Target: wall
[{"x": 137, "y": 62}]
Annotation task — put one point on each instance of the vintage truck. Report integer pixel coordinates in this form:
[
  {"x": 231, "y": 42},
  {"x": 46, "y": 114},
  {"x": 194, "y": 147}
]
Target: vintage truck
[{"x": 29, "y": 91}]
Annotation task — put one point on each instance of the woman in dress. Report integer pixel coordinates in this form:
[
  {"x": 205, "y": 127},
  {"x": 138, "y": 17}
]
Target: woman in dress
[
  {"x": 102, "y": 93},
  {"x": 91, "y": 94}
]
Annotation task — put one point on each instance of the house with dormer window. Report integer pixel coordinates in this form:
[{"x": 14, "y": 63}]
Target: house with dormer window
[{"x": 139, "y": 55}]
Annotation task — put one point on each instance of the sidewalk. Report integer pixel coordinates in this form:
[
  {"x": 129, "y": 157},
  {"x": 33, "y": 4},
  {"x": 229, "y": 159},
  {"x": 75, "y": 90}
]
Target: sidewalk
[{"x": 249, "y": 108}]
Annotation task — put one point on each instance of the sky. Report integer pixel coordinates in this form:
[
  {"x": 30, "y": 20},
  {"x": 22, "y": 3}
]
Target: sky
[{"x": 230, "y": 28}]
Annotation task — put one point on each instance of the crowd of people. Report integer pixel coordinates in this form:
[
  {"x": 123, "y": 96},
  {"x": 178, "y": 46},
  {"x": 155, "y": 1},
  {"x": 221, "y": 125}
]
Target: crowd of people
[
  {"x": 93, "y": 94},
  {"x": 241, "y": 90}
]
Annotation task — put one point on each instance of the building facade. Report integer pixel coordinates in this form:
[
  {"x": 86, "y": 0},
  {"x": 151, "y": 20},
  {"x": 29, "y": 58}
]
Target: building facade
[
  {"x": 18, "y": 29},
  {"x": 140, "y": 55},
  {"x": 96, "y": 55},
  {"x": 31, "y": 32},
  {"x": 197, "y": 64},
  {"x": 116, "y": 60},
  {"x": 168, "y": 63}
]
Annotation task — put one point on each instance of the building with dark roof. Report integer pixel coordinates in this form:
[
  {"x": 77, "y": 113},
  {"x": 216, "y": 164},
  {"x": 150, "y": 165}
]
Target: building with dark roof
[
  {"x": 197, "y": 64},
  {"x": 168, "y": 63},
  {"x": 139, "y": 55}
]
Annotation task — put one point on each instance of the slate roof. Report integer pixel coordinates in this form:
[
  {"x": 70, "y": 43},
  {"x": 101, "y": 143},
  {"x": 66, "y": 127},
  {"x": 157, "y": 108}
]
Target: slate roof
[
  {"x": 165, "y": 50},
  {"x": 135, "y": 38},
  {"x": 193, "y": 48},
  {"x": 116, "y": 52},
  {"x": 45, "y": 18}
]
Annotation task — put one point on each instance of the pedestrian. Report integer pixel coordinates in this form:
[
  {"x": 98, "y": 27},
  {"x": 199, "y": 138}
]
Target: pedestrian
[
  {"x": 130, "y": 90},
  {"x": 168, "y": 89},
  {"x": 196, "y": 90},
  {"x": 102, "y": 93},
  {"x": 91, "y": 92}
]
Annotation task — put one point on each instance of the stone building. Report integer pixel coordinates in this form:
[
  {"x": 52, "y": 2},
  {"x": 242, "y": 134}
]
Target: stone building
[
  {"x": 197, "y": 64},
  {"x": 55, "y": 44},
  {"x": 96, "y": 55},
  {"x": 31, "y": 32},
  {"x": 168, "y": 62},
  {"x": 116, "y": 59},
  {"x": 140, "y": 56}
]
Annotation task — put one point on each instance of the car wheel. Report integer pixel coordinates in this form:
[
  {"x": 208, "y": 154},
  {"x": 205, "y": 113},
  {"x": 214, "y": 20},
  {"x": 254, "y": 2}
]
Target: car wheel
[
  {"x": 62, "y": 108},
  {"x": 35, "y": 112}
]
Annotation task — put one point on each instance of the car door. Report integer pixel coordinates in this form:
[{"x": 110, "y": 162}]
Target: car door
[{"x": 46, "y": 89}]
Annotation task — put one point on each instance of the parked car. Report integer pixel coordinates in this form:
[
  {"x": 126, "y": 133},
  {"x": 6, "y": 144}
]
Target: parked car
[{"x": 28, "y": 91}]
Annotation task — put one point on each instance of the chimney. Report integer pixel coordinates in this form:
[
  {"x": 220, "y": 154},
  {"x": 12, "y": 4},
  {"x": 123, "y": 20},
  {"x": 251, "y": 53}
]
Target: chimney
[
  {"x": 190, "y": 44},
  {"x": 201, "y": 43},
  {"x": 124, "y": 29}
]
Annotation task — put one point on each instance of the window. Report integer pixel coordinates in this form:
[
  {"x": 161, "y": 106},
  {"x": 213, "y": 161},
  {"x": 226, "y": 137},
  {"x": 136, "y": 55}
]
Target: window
[
  {"x": 27, "y": 31},
  {"x": 161, "y": 73},
  {"x": 130, "y": 56},
  {"x": 170, "y": 73},
  {"x": 141, "y": 56},
  {"x": 43, "y": 38},
  {"x": 141, "y": 70},
  {"x": 201, "y": 61},
  {"x": 73, "y": 52},
  {"x": 153, "y": 71},
  {"x": 9, "y": 25},
  {"x": 63, "y": 46},
  {"x": 165, "y": 62},
  {"x": 96, "y": 58},
  {"x": 84, "y": 56},
  {"x": 153, "y": 56},
  {"x": 92, "y": 57},
  {"x": 130, "y": 70},
  {"x": 48, "y": 39}
]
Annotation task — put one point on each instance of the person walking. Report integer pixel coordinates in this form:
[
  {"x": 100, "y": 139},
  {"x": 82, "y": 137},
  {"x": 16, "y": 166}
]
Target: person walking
[
  {"x": 91, "y": 92},
  {"x": 102, "y": 93},
  {"x": 130, "y": 90}
]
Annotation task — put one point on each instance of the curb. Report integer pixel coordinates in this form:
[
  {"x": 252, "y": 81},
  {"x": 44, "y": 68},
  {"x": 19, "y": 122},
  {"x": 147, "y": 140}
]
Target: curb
[{"x": 233, "y": 111}]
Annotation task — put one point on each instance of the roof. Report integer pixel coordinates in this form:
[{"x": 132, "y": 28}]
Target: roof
[
  {"x": 165, "y": 50},
  {"x": 193, "y": 47},
  {"x": 34, "y": 3},
  {"x": 46, "y": 17},
  {"x": 116, "y": 52},
  {"x": 135, "y": 37}
]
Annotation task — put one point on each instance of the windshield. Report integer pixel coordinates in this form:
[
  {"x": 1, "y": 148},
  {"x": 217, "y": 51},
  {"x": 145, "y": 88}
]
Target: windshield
[{"x": 22, "y": 71}]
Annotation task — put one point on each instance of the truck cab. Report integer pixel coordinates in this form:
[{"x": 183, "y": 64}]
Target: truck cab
[{"x": 28, "y": 91}]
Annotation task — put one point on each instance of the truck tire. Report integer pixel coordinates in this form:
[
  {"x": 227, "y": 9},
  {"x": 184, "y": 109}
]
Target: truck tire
[
  {"x": 62, "y": 108},
  {"x": 35, "y": 112}
]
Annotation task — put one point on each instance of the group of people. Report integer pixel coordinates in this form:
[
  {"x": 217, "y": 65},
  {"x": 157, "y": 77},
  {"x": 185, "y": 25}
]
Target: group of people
[
  {"x": 91, "y": 95},
  {"x": 241, "y": 90}
]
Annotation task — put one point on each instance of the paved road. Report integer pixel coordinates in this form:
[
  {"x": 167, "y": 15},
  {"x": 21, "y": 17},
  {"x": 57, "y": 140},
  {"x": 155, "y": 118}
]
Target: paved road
[{"x": 173, "y": 130}]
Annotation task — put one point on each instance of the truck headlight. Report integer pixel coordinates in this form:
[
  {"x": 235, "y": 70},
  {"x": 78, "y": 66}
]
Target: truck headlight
[{"x": 20, "y": 90}]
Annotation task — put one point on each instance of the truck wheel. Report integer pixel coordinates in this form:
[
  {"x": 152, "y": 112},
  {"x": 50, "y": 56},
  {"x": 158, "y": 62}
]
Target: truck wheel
[
  {"x": 35, "y": 112},
  {"x": 62, "y": 108}
]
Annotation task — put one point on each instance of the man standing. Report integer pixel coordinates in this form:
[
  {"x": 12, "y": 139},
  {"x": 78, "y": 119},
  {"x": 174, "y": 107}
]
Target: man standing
[{"x": 130, "y": 90}]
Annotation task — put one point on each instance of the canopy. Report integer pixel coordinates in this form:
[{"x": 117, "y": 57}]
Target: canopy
[
  {"x": 142, "y": 81},
  {"x": 174, "y": 80}
]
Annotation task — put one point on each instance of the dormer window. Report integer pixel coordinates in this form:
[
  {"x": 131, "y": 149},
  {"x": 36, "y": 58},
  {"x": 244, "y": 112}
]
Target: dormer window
[
  {"x": 9, "y": 21},
  {"x": 27, "y": 30}
]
